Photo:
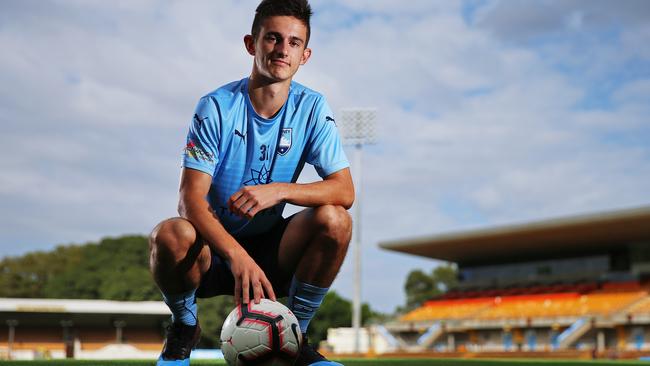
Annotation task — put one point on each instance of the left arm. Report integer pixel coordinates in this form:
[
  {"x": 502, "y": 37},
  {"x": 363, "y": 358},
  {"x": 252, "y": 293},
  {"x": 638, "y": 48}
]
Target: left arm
[{"x": 334, "y": 189}]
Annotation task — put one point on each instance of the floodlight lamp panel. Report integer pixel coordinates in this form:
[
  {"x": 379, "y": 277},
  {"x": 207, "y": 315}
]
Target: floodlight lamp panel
[{"x": 358, "y": 126}]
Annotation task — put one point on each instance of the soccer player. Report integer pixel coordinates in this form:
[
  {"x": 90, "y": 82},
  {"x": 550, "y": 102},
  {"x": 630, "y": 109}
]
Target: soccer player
[{"x": 247, "y": 144}]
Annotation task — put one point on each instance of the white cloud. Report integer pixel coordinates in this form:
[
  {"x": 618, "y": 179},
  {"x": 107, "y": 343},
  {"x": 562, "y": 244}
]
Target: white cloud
[{"x": 520, "y": 20}]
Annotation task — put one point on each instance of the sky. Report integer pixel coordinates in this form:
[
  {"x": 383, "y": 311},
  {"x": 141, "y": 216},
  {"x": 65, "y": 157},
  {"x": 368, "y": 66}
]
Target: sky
[{"x": 488, "y": 113}]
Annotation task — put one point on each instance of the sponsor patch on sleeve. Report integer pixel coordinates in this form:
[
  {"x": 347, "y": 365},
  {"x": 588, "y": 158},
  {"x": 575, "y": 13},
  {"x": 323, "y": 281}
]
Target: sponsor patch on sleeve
[{"x": 195, "y": 151}]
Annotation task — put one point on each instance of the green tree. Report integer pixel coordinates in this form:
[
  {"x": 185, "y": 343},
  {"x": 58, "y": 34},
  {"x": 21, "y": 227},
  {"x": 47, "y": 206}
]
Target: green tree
[
  {"x": 212, "y": 313},
  {"x": 420, "y": 286},
  {"x": 29, "y": 275},
  {"x": 114, "y": 269},
  {"x": 445, "y": 277}
]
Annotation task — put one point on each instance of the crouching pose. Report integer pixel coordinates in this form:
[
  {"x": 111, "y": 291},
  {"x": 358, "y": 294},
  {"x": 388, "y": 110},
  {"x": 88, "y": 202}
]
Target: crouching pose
[{"x": 247, "y": 144}]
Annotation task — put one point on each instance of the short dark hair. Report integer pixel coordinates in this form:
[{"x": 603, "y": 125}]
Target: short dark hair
[{"x": 299, "y": 9}]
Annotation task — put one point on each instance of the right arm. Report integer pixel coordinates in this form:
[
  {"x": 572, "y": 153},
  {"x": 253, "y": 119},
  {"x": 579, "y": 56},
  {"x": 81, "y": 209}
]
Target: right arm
[{"x": 194, "y": 207}]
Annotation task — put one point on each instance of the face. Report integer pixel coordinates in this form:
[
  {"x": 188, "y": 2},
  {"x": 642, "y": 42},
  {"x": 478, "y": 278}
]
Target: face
[{"x": 279, "y": 48}]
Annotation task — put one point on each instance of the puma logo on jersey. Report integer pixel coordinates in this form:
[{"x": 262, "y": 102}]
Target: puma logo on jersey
[
  {"x": 199, "y": 120},
  {"x": 328, "y": 118},
  {"x": 240, "y": 135}
]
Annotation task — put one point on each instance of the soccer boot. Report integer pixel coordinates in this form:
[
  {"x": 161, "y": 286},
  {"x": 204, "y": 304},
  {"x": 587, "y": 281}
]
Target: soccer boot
[
  {"x": 310, "y": 357},
  {"x": 179, "y": 341}
]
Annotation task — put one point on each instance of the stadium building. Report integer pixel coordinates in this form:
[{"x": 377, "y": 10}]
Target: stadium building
[
  {"x": 82, "y": 329},
  {"x": 575, "y": 287}
]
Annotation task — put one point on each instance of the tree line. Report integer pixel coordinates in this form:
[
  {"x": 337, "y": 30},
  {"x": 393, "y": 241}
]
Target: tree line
[
  {"x": 421, "y": 286},
  {"x": 118, "y": 269}
]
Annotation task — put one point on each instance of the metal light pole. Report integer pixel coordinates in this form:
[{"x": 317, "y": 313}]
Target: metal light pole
[
  {"x": 357, "y": 129},
  {"x": 11, "y": 323}
]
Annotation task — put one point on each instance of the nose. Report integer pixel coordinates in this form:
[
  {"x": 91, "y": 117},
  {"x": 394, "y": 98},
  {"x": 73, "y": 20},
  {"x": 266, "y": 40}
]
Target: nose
[{"x": 282, "y": 48}]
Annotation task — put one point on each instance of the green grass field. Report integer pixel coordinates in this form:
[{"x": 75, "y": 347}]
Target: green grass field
[{"x": 353, "y": 362}]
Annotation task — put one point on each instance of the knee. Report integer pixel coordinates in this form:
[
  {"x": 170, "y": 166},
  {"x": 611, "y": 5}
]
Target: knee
[
  {"x": 335, "y": 223},
  {"x": 172, "y": 238}
]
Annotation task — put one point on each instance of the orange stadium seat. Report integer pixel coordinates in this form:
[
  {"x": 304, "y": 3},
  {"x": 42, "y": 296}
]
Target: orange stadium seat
[
  {"x": 530, "y": 306},
  {"x": 607, "y": 303},
  {"x": 448, "y": 309},
  {"x": 544, "y": 305},
  {"x": 560, "y": 304},
  {"x": 641, "y": 307}
]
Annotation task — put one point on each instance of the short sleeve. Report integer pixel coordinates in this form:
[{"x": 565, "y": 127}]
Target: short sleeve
[
  {"x": 202, "y": 145},
  {"x": 325, "y": 151}
]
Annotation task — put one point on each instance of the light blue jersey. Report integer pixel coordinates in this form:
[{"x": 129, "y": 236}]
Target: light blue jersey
[{"x": 237, "y": 147}]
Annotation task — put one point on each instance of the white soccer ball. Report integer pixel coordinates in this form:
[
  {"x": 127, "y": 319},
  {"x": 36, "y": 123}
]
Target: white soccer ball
[{"x": 264, "y": 334}]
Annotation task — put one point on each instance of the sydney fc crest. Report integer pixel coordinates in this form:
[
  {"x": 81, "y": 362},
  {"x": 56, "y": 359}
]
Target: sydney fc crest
[{"x": 285, "y": 141}]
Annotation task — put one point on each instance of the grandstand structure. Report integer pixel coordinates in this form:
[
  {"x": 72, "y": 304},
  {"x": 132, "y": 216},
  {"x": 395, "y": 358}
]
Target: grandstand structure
[
  {"x": 571, "y": 286},
  {"x": 83, "y": 329}
]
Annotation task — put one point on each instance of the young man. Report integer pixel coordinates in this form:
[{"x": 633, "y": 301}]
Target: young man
[{"x": 247, "y": 143}]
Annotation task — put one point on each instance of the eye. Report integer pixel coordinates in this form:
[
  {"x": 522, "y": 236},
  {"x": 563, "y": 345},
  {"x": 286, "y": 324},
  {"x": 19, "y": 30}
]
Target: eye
[
  {"x": 271, "y": 38},
  {"x": 294, "y": 43}
]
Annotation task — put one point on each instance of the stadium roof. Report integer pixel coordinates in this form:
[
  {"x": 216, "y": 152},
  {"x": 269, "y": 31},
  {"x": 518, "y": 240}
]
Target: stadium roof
[
  {"x": 578, "y": 235},
  {"x": 82, "y": 306}
]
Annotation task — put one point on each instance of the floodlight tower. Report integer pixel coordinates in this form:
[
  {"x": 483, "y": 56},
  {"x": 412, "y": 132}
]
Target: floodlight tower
[{"x": 357, "y": 129}]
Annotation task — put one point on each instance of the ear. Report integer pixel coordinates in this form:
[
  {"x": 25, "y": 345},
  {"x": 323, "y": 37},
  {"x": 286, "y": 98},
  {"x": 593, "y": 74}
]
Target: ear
[
  {"x": 306, "y": 54},
  {"x": 249, "y": 43}
]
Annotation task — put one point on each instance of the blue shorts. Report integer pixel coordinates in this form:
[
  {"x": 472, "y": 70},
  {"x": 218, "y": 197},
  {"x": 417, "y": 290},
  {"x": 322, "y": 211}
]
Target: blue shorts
[{"x": 264, "y": 249}]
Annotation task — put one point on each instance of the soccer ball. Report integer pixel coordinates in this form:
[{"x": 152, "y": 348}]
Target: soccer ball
[{"x": 265, "y": 334}]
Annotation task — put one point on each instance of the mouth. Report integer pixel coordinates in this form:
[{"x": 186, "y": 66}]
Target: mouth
[{"x": 279, "y": 62}]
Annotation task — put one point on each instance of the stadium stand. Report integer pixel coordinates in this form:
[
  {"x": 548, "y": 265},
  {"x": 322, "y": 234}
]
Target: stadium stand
[
  {"x": 526, "y": 306},
  {"x": 86, "y": 329},
  {"x": 576, "y": 287}
]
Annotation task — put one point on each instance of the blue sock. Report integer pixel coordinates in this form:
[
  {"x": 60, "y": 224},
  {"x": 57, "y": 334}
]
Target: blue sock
[
  {"x": 304, "y": 300},
  {"x": 183, "y": 307}
]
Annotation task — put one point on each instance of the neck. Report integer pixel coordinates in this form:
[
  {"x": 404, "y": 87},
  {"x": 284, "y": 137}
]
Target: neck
[{"x": 267, "y": 96}]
